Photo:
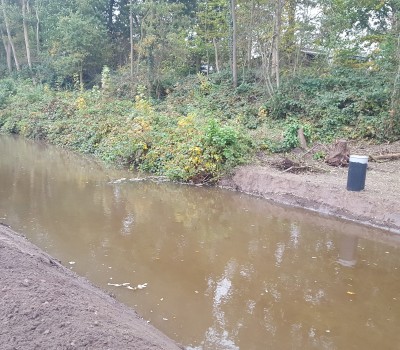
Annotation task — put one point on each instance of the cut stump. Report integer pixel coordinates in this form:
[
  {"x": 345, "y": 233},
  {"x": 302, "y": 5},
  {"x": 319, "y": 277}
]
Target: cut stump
[{"x": 339, "y": 154}]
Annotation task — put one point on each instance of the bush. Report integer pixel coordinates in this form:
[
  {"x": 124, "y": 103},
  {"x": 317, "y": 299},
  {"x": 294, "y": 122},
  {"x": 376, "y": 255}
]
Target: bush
[
  {"x": 343, "y": 103},
  {"x": 128, "y": 133}
]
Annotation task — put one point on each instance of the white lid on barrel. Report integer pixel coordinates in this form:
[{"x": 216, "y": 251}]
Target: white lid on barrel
[{"x": 354, "y": 158}]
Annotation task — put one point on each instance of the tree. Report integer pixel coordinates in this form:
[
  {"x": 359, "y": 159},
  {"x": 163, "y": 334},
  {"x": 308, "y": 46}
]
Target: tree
[
  {"x": 79, "y": 44},
  {"x": 7, "y": 49},
  {"x": 26, "y": 36},
  {"x": 212, "y": 31},
  {"x": 9, "y": 36},
  {"x": 131, "y": 34},
  {"x": 276, "y": 40},
  {"x": 233, "y": 28}
]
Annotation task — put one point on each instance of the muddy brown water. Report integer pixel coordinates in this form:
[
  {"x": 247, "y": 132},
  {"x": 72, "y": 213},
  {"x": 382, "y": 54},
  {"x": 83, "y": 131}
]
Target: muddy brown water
[{"x": 212, "y": 269}]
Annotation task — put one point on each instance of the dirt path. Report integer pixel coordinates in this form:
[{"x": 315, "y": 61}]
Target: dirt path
[
  {"x": 325, "y": 191},
  {"x": 43, "y": 305}
]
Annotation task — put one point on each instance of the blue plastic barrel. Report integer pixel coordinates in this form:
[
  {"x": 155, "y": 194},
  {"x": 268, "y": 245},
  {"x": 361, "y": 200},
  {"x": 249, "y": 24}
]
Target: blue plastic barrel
[{"x": 357, "y": 173}]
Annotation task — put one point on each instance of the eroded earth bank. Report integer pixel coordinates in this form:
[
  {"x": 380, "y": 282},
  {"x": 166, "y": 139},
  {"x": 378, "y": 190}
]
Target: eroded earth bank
[
  {"x": 44, "y": 305},
  {"x": 324, "y": 190}
]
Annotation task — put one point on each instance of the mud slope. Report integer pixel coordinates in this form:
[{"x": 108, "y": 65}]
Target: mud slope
[
  {"x": 43, "y": 305},
  {"x": 378, "y": 205}
]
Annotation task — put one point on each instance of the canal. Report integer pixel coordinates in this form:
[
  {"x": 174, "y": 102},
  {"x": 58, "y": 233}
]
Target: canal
[{"x": 212, "y": 269}]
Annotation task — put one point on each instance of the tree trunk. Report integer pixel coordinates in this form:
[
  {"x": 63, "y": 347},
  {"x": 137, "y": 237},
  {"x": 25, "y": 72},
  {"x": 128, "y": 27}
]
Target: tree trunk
[
  {"x": 7, "y": 49},
  {"x": 81, "y": 79},
  {"x": 131, "y": 34},
  {"x": 26, "y": 36},
  {"x": 110, "y": 14},
  {"x": 216, "y": 55},
  {"x": 291, "y": 43},
  {"x": 234, "y": 43},
  {"x": 250, "y": 35},
  {"x": 37, "y": 27},
  {"x": 9, "y": 35},
  {"x": 276, "y": 42},
  {"x": 302, "y": 138},
  {"x": 395, "y": 98}
]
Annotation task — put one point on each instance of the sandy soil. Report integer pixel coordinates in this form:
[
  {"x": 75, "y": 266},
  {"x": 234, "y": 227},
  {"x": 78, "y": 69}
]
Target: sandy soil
[
  {"x": 323, "y": 188},
  {"x": 43, "y": 305}
]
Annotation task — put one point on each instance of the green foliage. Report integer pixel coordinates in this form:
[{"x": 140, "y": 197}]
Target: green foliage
[
  {"x": 290, "y": 135},
  {"x": 128, "y": 133},
  {"x": 7, "y": 89},
  {"x": 346, "y": 103},
  {"x": 320, "y": 155}
]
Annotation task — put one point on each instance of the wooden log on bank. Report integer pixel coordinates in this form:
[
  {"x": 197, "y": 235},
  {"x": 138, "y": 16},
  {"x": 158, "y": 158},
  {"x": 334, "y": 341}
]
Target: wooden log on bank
[{"x": 389, "y": 156}]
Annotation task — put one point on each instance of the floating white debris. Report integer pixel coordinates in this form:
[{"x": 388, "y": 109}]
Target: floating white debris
[
  {"x": 327, "y": 331},
  {"x": 127, "y": 285},
  {"x": 139, "y": 286},
  {"x": 72, "y": 263},
  {"x": 115, "y": 284},
  {"x": 313, "y": 257},
  {"x": 161, "y": 299},
  {"x": 196, "y": 291},
  {"x": 165, "y": 319},
  {"x": 137, "y": 179},
  {"x": 118, "y": 181}
]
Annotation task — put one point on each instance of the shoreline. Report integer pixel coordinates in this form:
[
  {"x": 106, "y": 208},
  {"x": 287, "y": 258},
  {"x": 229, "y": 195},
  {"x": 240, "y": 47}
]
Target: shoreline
[
  {"x": 322, "y": 193},
  {"x": 44, "y": 305}
]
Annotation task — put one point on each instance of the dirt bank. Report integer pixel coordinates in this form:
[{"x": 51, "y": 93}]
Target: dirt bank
[
  {"x": 325, "y": 191},
  {"x": 44, "y": 305}
]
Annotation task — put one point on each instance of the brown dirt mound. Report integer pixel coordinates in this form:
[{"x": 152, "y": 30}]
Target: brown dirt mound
[{"x": 46, "y": 306}]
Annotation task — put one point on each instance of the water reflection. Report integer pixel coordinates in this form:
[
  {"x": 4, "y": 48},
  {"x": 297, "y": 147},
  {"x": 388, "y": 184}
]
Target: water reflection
[
  {"x": 223, "y": 270},
  {"x": 348, "y": 250}
]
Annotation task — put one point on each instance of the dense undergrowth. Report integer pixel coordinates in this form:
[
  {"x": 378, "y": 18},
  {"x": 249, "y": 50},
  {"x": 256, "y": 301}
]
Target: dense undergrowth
[{"x": 202, "y": 127}]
